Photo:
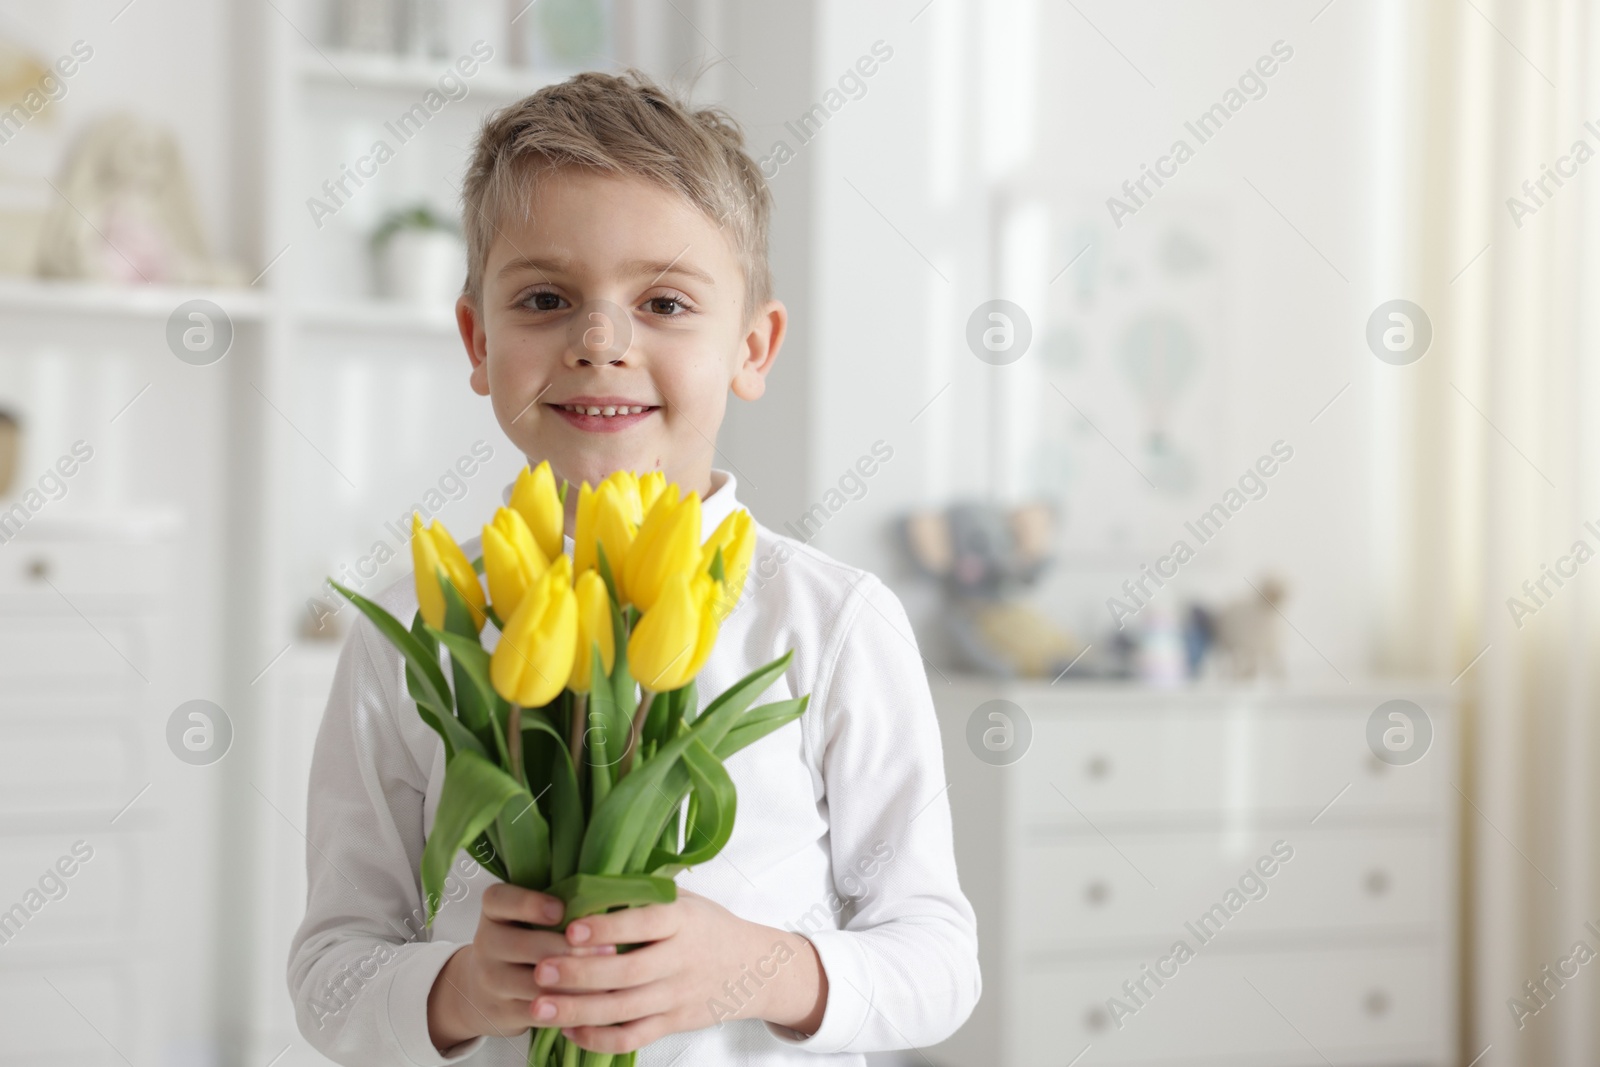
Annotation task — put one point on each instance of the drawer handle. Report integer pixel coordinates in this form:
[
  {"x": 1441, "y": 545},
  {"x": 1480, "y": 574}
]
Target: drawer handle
[
  {"x": 1097, "y": 893},
  {"x": 1099, "y": 767},
  {"x": 1376, "y": 1003},
  {"x": 1377, "y": 881},
  {"x": 38, "y": 568}
]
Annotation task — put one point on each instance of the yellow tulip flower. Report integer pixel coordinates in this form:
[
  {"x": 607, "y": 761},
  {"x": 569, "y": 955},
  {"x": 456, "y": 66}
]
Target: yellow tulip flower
[
  {"x": 650, "y": 487},
  {"x": 594, "y": 627},
  {"x": 608, "y": 516},
  {"x": 668, "y": 543},
  {"x": 672, "y": 640},
  {"x": 531, "y": 664},
  {"x": 736, "y": 536},
  {"x": 534, "y": 497},
  {"x": 512, "y": 559},
  {"x": 433, "y": 551}
]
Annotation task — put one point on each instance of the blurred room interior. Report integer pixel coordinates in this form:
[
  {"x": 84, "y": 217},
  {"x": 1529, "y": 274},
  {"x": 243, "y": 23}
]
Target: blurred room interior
[{"x": 1295, "y": 286}]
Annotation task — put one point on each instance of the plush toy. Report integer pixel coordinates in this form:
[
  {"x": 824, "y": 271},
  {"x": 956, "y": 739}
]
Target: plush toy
[
  {"x": 1245, "y": 634},
  {"x": 985, "y": 555},
  {"x": 125, "y": 212}
]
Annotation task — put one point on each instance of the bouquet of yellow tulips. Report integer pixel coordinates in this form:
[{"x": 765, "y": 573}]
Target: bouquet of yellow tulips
[{"x": 571, "y": 750}]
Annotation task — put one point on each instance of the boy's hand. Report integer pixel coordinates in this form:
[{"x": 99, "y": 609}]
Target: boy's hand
[
  {"x": 487, "y": 986},
  {"x": 703, "y": 965}
]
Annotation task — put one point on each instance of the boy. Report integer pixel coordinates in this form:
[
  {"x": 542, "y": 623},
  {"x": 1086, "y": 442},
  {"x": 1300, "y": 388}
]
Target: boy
[{"x": 617, "y": 289}]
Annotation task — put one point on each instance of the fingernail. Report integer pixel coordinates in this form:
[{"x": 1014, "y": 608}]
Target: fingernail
[
  {"x": 545, "y": 1010},
  {"x": 554, "y": 910},
  {"x": 578, "y": 932}
]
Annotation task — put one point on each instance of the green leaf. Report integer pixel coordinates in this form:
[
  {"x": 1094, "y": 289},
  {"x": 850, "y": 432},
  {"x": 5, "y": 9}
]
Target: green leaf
[
  {"x": 474, "y": 792},
  {"x": 427, "y": 710},
  {"x": 638, "y": 805},
  {"x": 473, "y": 701},
  {"x": 488, "y": 857},
  {"x": 660, "y": 713},
  {"x": 712, "y": 819},
  {"x": 429, "y": 676},
  {"x": 591, "y": 894},
  {"x": 757, "y": 723},
  {"x": 525, "y": 839},
  {"x": 716, "y": 569},
  {"x": 602, "y": 744},
  {"x": 744, "y": 692},
  {"x": 566, "y": 815},
  {"x": 487, "y": 713},
  {"x": 623, "y": 690}
]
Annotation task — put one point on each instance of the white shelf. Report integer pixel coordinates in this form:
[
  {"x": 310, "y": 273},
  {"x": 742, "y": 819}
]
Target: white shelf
[
  {"x": 24, "y": 296},
  {"x": 376, "y": 316},
  {"x": 374, "y": 70}
]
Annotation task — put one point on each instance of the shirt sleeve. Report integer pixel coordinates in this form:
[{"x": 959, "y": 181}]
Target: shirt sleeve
[
  {"x": 362, "y": 963},
  {"x": 903, "y": 967}
]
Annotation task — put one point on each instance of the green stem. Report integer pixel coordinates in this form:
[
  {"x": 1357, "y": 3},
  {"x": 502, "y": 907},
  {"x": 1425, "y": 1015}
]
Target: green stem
[
  {"x": 635, "y": 734},
  {"x": 580, "y": 703},
  {"x": 514, "y": 744}
]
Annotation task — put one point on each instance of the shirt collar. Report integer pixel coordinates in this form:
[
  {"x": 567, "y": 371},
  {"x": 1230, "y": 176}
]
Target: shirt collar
[{"x": 723, "y": 501}]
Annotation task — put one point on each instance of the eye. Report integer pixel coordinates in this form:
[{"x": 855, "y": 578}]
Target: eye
[
  {"x": 668, "y": 305},
  {"x": 543, "y": 300}
]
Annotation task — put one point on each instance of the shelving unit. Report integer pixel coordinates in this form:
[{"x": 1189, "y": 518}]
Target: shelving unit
[{"x": 342, "y": 69}]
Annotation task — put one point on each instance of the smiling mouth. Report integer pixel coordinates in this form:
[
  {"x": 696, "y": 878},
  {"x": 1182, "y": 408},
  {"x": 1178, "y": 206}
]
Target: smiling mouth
[
  {"x": 605, "y": 411},
  {"x": 603, "y": 418}
]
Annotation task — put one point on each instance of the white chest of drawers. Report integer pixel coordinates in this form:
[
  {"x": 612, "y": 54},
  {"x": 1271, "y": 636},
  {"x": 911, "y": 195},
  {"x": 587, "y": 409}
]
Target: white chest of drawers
[
  {"x": 83, "y": 617},
  {"x": 1310, "y": 883}
]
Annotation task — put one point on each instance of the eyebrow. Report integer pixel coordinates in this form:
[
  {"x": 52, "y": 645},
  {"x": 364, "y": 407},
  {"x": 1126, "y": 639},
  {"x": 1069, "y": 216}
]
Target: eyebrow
[{"x": 635, "y": 267}]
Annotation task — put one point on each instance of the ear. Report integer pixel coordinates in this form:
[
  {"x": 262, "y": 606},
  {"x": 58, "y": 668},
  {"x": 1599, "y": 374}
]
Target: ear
[
  {"x": 476, "y": 339},
  {"x": 758, "y": 348}
]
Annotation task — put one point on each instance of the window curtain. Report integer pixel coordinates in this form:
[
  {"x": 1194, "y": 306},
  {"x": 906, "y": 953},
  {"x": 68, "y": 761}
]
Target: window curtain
[{"x": 1485, "y": 463}]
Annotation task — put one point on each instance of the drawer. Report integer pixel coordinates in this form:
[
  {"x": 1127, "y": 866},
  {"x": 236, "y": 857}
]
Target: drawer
[
  {"x": 99, "y": 902},
  {"x": 89, "y": 566},
  {"x": 64, "y": 653},
  {"x": 71, "y": 762},
  {"x": 1083, "y": 890},
  {"x": 41, "y": 1025},
  {"x": 1212, "y": 761},
  {"x": 1352, "y": 1007}
]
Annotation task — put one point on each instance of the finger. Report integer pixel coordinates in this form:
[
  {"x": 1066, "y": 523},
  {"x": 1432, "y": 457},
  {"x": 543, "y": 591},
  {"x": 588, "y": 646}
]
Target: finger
[
  {"x": 514, "y": 980},
  {"x": 511, "y": 903},
  {"x": 518, "y": 944},
  {"x": 628, "y": 926},
  {"x": 600, "y": 1009},
  {"x": 511, "y": 981},
  {"x": 508, "y": 1018},
  {"x": 623, "y": 1038},
  {"x": 610, "y": 970}
]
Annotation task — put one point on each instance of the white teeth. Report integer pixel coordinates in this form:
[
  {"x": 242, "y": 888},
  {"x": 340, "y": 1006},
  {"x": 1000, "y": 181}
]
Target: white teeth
[{"x": 604, "y": 412}]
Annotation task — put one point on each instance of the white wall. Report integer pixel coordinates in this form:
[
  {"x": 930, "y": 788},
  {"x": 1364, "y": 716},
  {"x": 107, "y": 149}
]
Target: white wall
[{"x": 1064, "y": 122}]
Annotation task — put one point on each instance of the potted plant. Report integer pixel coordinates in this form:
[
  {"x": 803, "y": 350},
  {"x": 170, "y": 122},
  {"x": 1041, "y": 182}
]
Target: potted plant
[{"x": 419, "y": 257}]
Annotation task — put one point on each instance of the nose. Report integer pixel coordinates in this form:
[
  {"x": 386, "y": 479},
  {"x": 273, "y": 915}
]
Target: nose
[{"x": 600, "y": 334}]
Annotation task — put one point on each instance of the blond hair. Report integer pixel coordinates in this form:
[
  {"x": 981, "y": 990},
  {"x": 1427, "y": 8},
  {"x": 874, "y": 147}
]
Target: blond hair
[{"x": 624, "y": 125}]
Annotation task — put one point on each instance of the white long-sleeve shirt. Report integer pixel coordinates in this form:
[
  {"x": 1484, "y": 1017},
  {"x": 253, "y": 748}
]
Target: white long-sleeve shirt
[{"x": 843, "y": 835}]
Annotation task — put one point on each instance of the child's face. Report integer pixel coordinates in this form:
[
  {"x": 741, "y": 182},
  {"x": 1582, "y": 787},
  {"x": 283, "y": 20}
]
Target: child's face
[{"x": 615, "y": 290}]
